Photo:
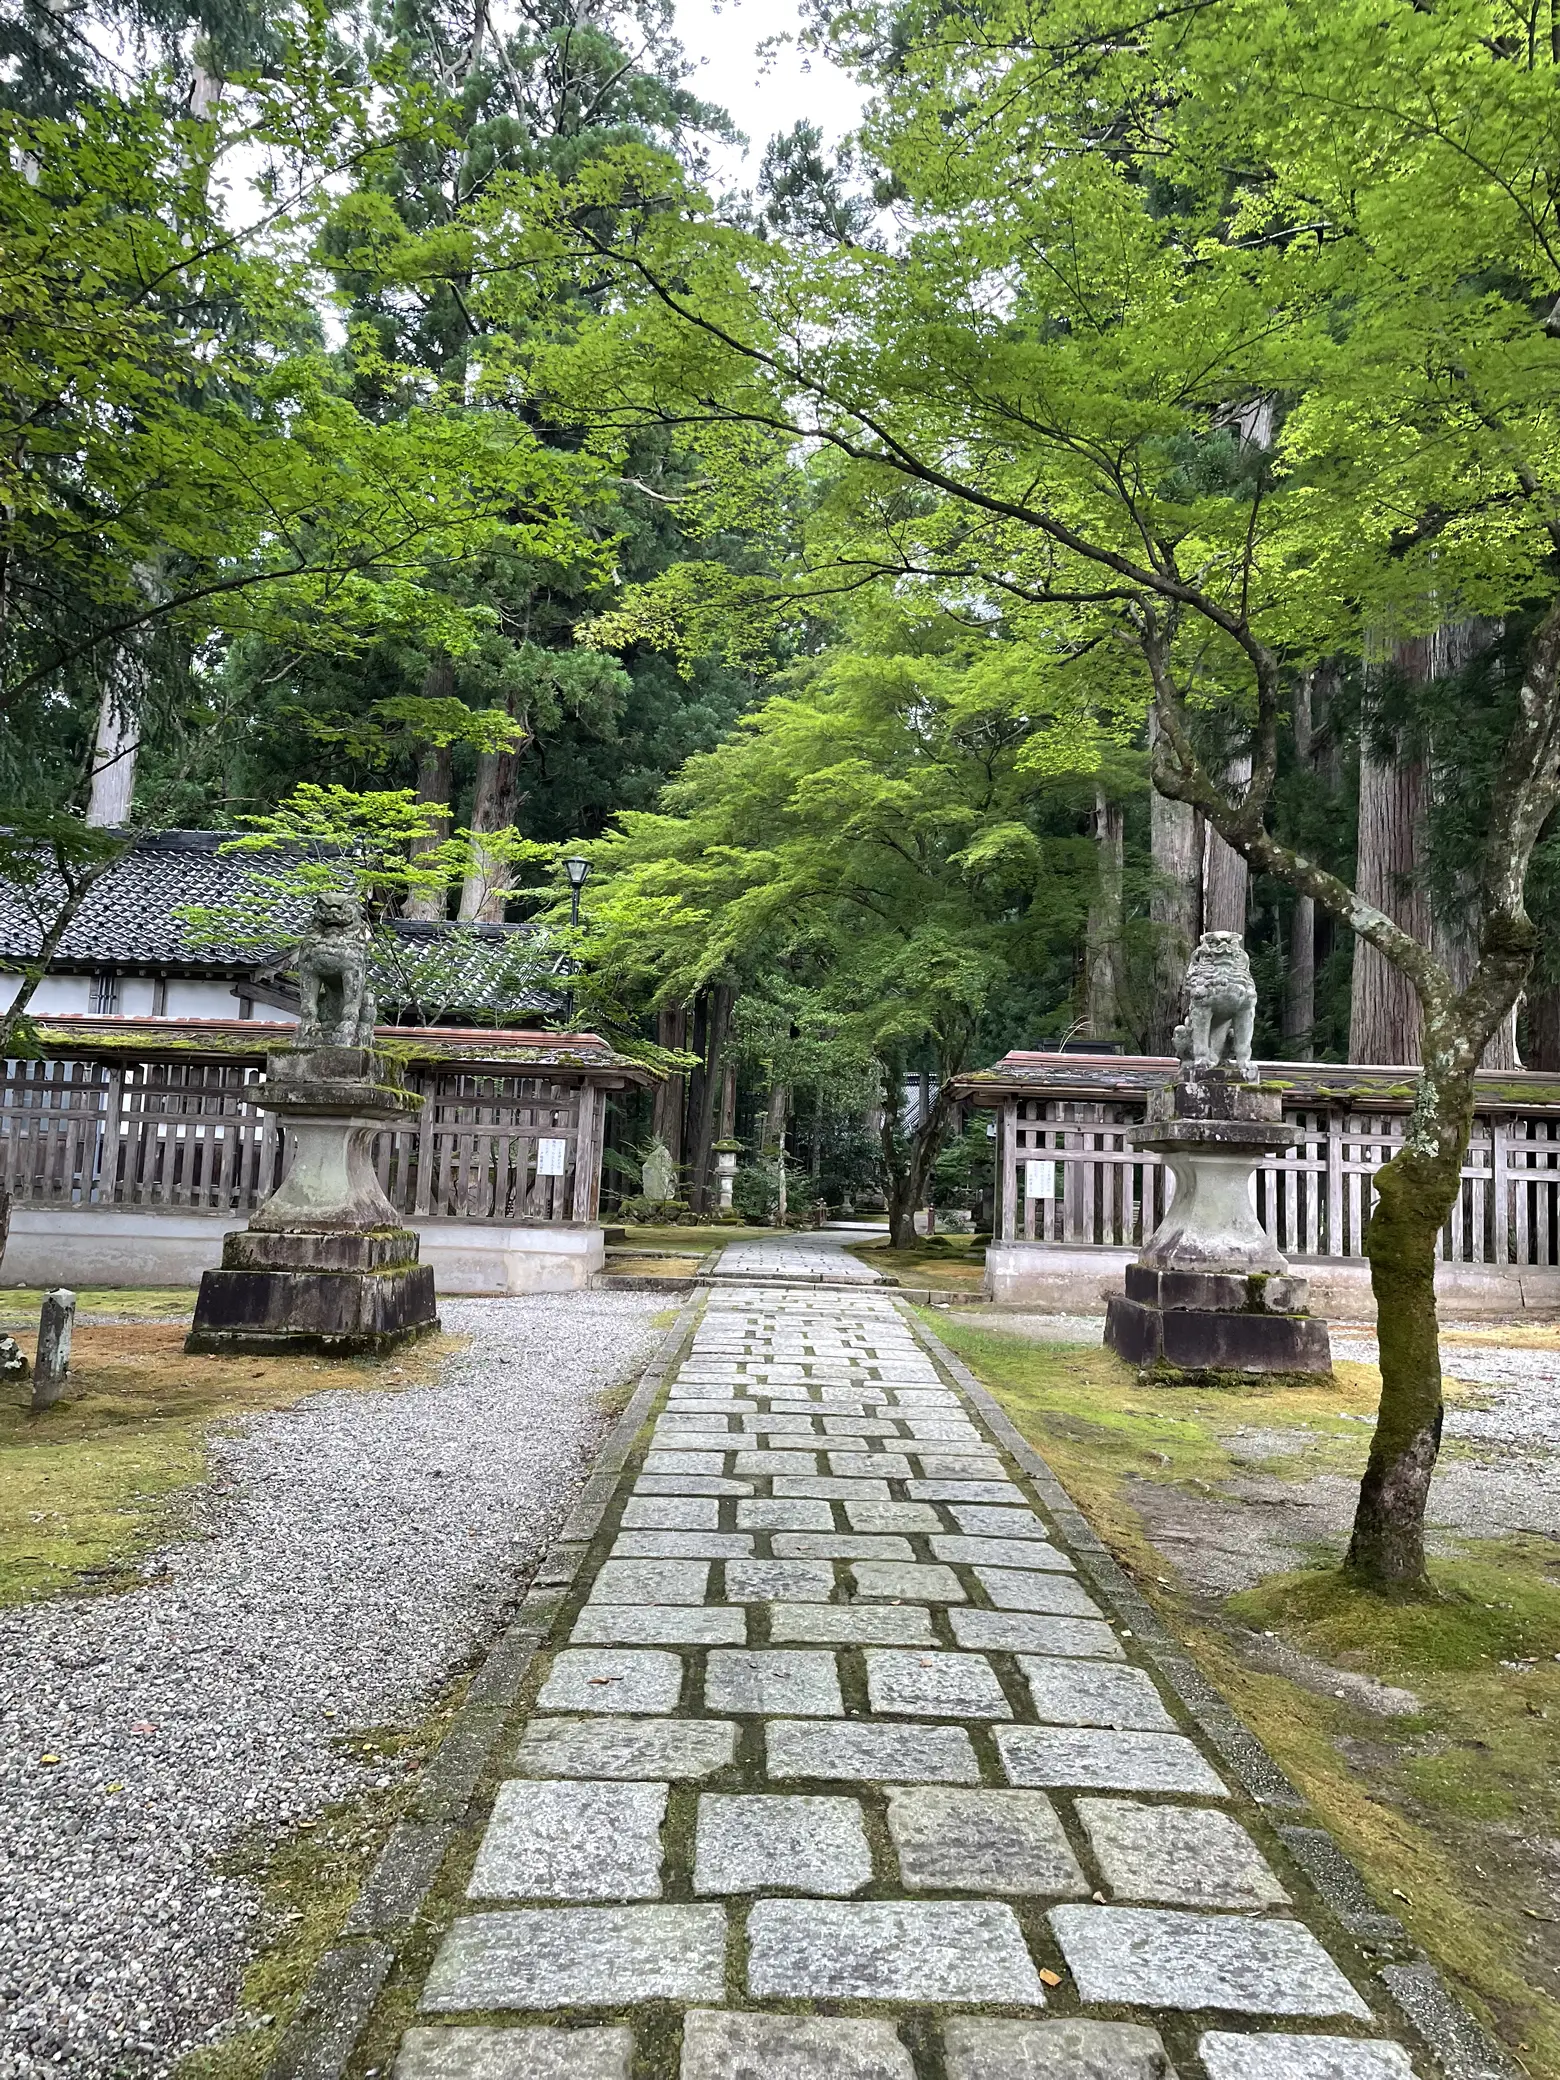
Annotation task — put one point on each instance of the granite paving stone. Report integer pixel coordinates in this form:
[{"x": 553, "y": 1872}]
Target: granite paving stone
[
  {"x": 1272, "y": 2055},
  {"x": 684, "y": 1462},
  {"x": 963, "y": 1491},
  {"x": 681, "y": 1545},
  {"x": 1098, "y": 1759},
  {"x": 607, "y": 1679},
  {"x": 853, "y": 1624},
  {"x": 913, "y": 1583},
  {"x": 767, "y": 1581},
  {"x": 658, "y": 1625},
  {"x": 839, "y": 1545},
  {"x": 891, "y": 1516},
  {"x": 1157, "y": 1957},
  {"x": 690, "y": 1484},
  {"x": 763, "y": 1465},
  {"x": 883, "y": 1753},
  {"x": 1052, "y": 1595},
  {"x": 1179, "y": 1855},
  {"x": 726, "y": 2045},
  {"x": 887, "y": 1466},
  {"x": 862, "y": 1426},
  {"x": 982, "y": 2048},
  {"x": 982, "y": 1841},
  {"x": 515, "y": 2053},
  {"x": 569, "y": 1840},
  {"x": 651, "y": 1581},
  {"x": 1027, "y": 1554},
  {"x": 761, "y": 1681},
  {"x": 890, "y": 1950},
  {"x": 780, "y": 1843},
  {"x": 687, "y": 1749},
  {"x": 826, "y": 1487},
  {"x": 988, "y": 1520},
  {"x": 1076, "y": 1693},
  {"x": 958, "y": 1466},
  {"x": 1011, "y": 1591},
  {"x": 768, "y": 1513},
  {"x": 670, "y": 1513},
  {"x": 590, "y": 1957},
  {"x": 1024, "y": 1632},
  {"x": 934, "y": 1686}
]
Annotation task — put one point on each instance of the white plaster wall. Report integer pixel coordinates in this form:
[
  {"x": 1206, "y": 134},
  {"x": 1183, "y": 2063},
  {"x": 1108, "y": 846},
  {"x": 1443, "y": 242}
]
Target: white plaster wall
[
  {"x": 165, "y": 1246},
  {"x": 1054, "y": 1278},
  {"x": 135, "y": 996},
  {"x": 486, "y": 1257},
  {"x": 57, "y": 996}
]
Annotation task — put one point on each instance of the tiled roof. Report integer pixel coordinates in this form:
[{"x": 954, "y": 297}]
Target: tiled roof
[{"x": 129, "y": 920}]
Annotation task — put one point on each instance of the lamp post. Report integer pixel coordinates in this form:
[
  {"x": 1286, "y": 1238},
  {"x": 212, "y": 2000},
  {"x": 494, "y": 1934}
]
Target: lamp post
[{"x": 578, "y": 871}]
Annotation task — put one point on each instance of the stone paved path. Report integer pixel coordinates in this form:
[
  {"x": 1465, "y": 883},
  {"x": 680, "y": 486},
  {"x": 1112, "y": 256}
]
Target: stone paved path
[
  {"x": 814, "y": 1254},
  {"x": 836, "y": 1771}
]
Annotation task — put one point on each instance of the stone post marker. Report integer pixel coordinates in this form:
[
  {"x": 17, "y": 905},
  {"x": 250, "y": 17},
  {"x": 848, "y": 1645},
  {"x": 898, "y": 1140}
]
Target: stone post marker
[
  {"x": 324, "y": 1264},
  {"x": 54, "y": 1333},
  {"x": 1210, "y": 1293}
]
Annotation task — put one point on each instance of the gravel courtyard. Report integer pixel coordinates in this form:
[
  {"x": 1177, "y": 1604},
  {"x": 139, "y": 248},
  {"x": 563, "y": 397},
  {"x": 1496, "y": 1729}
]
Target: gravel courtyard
[
  {"x": 352, "y": 1551},
  {"x": 1499, "y": 1470}
]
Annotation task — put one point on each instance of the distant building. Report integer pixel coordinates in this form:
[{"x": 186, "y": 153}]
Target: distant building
[{"x": 128, "y": 955}]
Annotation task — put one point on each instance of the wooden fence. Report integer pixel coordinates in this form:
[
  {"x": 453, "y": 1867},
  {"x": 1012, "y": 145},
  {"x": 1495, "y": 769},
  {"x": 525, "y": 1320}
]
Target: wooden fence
[
  {"x": 484, "y": 1147},
  {"x": 1067, "y": 1174}
]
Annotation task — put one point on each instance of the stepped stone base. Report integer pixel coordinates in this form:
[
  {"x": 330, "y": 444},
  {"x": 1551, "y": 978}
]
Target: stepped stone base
[
  {"x": 296, "y": 1291},
  {"x": 1199, "y": 1322}
]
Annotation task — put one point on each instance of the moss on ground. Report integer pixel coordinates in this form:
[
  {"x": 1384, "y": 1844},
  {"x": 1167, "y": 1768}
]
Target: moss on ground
[
  {"x": 20, "y": 1305},
  {"x": 945, "y": 1263},
  {"x": 630, "y": 1263},
  {"x": 1452, "y": 1813},
  {"x": 88, "y": 1486},
  {"x": 308, "y": 1879}
]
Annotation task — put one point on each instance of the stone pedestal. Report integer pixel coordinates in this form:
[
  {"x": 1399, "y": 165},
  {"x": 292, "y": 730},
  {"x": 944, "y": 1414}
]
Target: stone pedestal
[
  {"x": 1210, "y": 1293},
  {"x": 324, "y": 1264}
]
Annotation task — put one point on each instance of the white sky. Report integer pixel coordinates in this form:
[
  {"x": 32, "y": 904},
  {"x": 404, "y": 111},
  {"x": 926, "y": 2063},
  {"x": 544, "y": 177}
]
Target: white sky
[{"x": 762, "y": 96}]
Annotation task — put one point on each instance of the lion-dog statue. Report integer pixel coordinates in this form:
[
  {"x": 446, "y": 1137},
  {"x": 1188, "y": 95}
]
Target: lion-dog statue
[
  {"x": 1221, "y": 1005},
  {"x": 338, "y": 1004}
]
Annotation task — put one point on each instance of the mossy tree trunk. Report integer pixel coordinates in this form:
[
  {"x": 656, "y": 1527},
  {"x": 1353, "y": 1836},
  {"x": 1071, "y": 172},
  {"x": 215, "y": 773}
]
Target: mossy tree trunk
[
  {"x": 1415, "y": 1195},
  {"x": 908, "y": 1158}
]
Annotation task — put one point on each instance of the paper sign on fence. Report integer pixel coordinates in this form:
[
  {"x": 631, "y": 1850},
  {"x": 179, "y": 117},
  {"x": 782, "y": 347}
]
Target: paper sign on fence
[{"x": 550, "y": 1158}]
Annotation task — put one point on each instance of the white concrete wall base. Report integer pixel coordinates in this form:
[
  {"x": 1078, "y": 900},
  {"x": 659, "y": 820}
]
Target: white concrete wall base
[
  {"x": 1055, "y": 1279},
  {"x": 486, "y": 1257},
  {"x": 167, "y": 1246}
]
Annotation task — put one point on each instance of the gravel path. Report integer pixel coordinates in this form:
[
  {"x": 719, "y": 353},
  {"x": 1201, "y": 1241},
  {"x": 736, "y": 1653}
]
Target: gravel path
[{"x": 368, "y": 1544}]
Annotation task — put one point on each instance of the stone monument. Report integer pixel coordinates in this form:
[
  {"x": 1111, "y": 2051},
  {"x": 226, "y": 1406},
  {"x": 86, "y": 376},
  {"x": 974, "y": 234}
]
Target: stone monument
[
  {"x": 324, "y": 1264},
  {"x": 56, "y": 1322},
  {"x": 1210, "y": 1293},
  {"x": 658, "y": 1176}
]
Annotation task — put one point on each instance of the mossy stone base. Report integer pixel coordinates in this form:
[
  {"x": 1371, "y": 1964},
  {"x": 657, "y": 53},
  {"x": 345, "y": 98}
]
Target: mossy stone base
[
  {"x": 345, "y": 1313},
  {"x": 1204, "y": 1340}
]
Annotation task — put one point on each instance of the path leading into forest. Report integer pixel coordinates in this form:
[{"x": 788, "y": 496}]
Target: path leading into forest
[
  {"x": 834, "y": 1765},
  {"x": 813, "y": 1256}
]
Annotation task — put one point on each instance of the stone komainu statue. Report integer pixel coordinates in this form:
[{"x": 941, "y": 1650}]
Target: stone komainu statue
[
  {"x": 1221, "y": 1005},
  {"x": 339, "y": 1009}
]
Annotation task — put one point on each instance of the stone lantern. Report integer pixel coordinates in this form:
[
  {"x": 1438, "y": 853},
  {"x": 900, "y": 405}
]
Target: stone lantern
[
  {"x": 726, "y": 1153},
  {"x": 325, "y": 1263},
  {"x": 1210, "y": 1292}
]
